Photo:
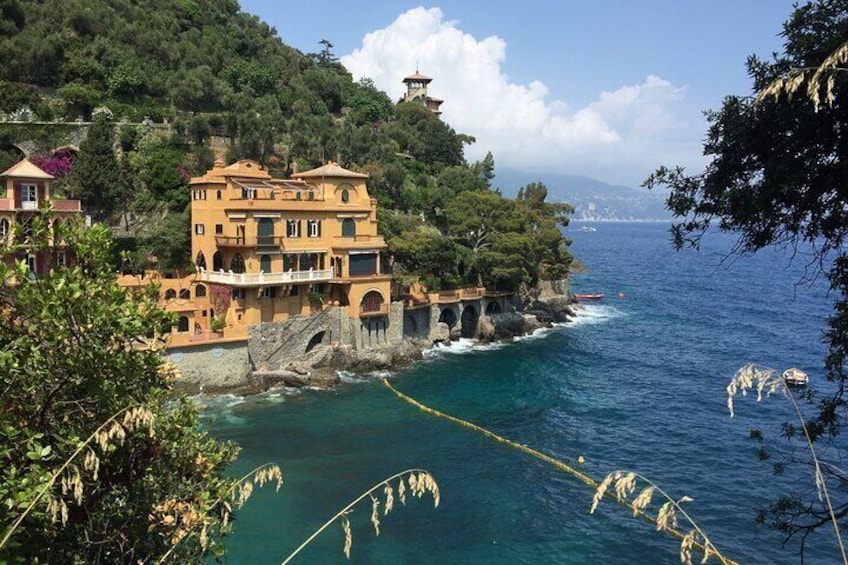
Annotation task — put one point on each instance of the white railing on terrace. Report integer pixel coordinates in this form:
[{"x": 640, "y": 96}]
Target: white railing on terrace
[
  {"x": 259, "y": 279},
  {"x": 29, "y": 205}
]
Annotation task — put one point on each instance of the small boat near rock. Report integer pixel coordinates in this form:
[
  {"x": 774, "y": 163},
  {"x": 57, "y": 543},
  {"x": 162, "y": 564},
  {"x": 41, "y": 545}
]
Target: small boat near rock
[
  {"x": 587, "y": 297},
  {"x": 795, "y": 377}
]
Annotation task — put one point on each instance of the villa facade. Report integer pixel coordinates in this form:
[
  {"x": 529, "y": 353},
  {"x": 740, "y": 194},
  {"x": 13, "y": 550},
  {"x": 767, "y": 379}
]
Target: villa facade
[
  {"x": 287, "y": 247},
  {"x": 26, "y": 190}
]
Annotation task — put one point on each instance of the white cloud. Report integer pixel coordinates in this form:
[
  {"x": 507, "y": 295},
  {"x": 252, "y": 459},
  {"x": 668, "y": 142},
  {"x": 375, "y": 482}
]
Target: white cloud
[{"x": 619, "y": 137}]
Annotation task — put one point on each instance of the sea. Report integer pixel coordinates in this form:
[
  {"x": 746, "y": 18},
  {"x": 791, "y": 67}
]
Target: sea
[{"x": 634, "y": 382}]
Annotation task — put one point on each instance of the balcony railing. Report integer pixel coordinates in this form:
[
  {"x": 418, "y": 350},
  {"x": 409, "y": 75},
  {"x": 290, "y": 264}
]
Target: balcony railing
[
  {"x": 264, "y": 279},
  {"x": 66, "y": 205},
  {"x": 368, "y": 310},
  {"x": 242, "y": 241},
  {"x": 29, "y": 205}
]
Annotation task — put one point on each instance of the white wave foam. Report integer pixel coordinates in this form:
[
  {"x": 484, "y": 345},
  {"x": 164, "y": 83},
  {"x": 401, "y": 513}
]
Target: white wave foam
[
  {"x": 591, "y": 314},
  {"x": 381, "y": 374},
  {"x": 462, "y": 346},
  {"x": 351, "y": 378},
  {"x": 218, "y": 402}
]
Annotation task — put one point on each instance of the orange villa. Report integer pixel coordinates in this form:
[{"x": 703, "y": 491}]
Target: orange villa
[
  {"x": 266, "y": 249},
  {"x": 27, "y": 190}
]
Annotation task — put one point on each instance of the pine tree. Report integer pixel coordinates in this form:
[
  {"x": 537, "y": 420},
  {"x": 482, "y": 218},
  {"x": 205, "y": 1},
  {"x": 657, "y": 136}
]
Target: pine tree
[{"x": 95, "y": 178}]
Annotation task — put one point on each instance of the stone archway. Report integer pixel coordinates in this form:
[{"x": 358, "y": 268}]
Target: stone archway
[
  {"x": 493, "y": 308},
  {"x": 448, "y": 316},
  {"x": 469, "y": 321},
  {"x": 316, "y": 340}
]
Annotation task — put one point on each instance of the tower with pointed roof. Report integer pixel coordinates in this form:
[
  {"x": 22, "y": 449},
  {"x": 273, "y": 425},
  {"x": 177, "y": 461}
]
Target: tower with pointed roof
[{"x": 416, "y": 91}]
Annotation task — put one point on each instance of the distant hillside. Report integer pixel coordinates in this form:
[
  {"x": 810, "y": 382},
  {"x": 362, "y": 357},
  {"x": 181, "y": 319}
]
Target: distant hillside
[{"x": 591, "y": 198}]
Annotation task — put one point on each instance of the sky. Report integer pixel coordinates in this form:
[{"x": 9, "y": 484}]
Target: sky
[{"x": 609, "y": 89}]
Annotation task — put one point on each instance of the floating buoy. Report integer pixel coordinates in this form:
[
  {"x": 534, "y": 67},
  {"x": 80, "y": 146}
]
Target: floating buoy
[
  {"x": 580, "y": 459},
  {"x": 621, "y": 295}
]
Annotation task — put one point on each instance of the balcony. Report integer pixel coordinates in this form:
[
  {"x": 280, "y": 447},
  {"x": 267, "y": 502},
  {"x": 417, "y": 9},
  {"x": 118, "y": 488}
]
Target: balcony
[
  {"x": 29, "y": 205},
  {"x": 243, "y": 242},
  {"x": 357, "y": 241},
  {"x": 373, "y": 310},
  {"x": 67, "y": 205},
  {"x": 445, "y": 297},
  {"x": 264, "y": 279}
]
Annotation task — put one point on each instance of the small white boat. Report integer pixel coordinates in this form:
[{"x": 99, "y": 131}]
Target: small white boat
[
  {"x": 795, "y": 377},
  {"x": 588, "y": 228}
]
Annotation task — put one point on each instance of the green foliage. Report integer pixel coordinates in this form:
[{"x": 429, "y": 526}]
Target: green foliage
[
  {"x": 425, "y": 252},
  {"x": 80, "y": 98},
  {"x": 777, "y": 176},
  {"x": 95, "y": 174},
  {"x": 70, "y": 361}
]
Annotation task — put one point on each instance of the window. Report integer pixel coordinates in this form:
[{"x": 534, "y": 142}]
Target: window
[
  {"x": 363, "y": 265},
  {"x": 348, "y": 227},
  {"x": 265, "y": 264},
  {"x": 237, "y": 264},
  {"x": 61, "y": 260},
  {"x": 239, "y": 293},
  {"x": 249, "y": 193},
  {"x": 289, "y": 262},
  {"x": 199, "y": 291},
  {"x": 170, "y": 294},
  {"x": 293, "y": 228},
  {"x": 28, "y": 193},
  {"x": 199, "y": 229},
  {"x": 293, "y": 291},
  {"x": 219, "y": 229},
  {"x": 318, "y": 288},
  {"x": 265, "y": 231},
  {"x": 31, "y": 263},
  {"x": 269, "y": 292},
  {"x": 218, "y": 195},
  {"x": 4, "y": 227},
  {"x": 311, "y": 195},
  {"x": 314, "y": 227},
  {"x": 299, "y": 195},
  {"x": 182, "y": 324},
  {"x": 200, "y": 261},
  {"x": 185, "y": 294},
  {"x": 345, "y": 195}
]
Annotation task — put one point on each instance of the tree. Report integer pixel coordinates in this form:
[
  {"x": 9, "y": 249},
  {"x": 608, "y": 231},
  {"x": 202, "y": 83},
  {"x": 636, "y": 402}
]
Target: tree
[
  {"x": 779, "y": 176},
  {"x": 99, "y": 462},
  {"x": 95, "y": 175}
]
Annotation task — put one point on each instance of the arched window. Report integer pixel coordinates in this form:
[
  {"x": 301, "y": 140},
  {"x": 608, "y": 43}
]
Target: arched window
[
  {"x": 219, "y": 195},
  {"x": 348, "y": 227},
  {"x": 371, "y": 302},
  {"x": 345, "y": 195},
  {"x": 4, "y": 227},
  {"x": 200, "y": 262},
  {"x": 200, "y": 291},
  {"x": 237, "y": 264},
  {"x": 170, "y": 294},
  {"x": 265, "y": 231},
  {"x": 185, "y": 294},
  {"x": 217, "y": 262},
  {"x": 265, "y": 263},
  {"x": 182, "y": 324}
]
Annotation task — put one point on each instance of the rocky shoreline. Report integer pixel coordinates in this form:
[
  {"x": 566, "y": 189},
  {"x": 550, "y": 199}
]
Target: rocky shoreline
[
  {"x": 530, "y": 309},
  {"x": 536, "y": 309}
]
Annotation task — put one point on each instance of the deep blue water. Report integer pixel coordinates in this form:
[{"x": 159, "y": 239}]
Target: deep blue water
[{"x": 635, "y": 383}]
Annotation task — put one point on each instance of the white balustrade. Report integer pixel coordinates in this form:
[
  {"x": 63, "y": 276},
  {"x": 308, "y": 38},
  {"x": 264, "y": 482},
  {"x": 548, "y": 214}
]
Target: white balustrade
[{"x": 261, "y": 279}]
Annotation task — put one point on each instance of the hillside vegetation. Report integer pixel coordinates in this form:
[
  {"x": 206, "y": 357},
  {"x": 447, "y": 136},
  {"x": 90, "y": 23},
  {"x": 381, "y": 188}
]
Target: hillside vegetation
[{"x": 211, "y": 70}]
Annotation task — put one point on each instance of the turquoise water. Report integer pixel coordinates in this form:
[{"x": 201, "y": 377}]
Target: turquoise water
[{"x": 634, "y": 383}]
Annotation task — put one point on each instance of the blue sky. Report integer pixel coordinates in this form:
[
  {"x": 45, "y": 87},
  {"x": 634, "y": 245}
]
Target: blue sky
[{"x": 606, "y": 88}]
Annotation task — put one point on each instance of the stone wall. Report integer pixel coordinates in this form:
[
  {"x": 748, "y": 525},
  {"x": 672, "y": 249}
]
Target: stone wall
[
  {"x": 277, "y": 344},
  {"x": 212, "y": 367}
]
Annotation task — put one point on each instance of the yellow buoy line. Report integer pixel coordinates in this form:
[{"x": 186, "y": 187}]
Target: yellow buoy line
[{"x": 562, "y": 466}]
